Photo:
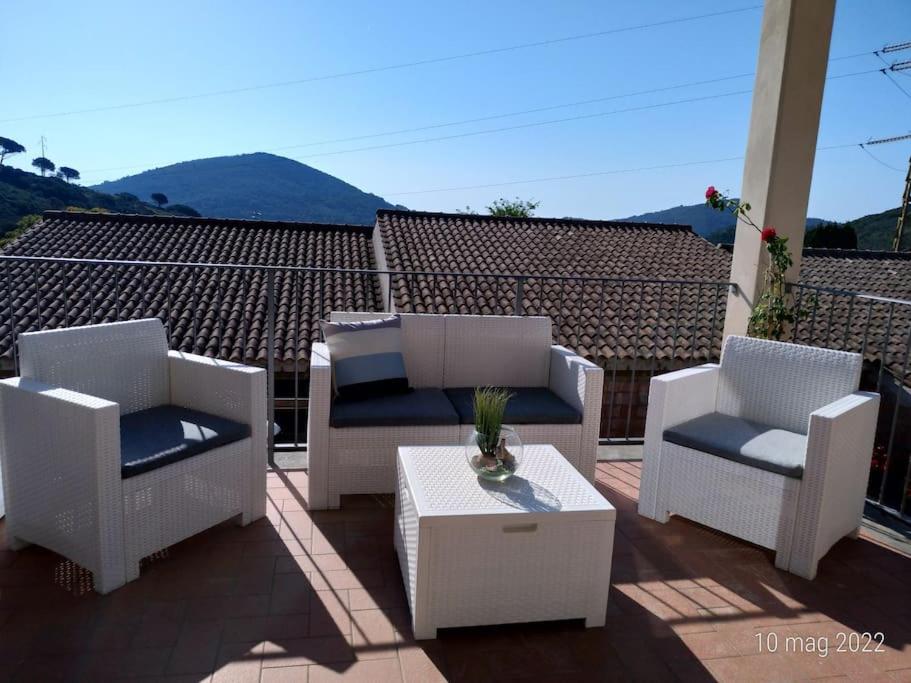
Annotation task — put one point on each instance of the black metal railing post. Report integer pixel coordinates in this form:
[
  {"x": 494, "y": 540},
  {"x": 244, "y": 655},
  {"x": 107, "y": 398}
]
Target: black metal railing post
[
  {"x": 520, "y": 303},
  {"x": 270, "y": 360}
]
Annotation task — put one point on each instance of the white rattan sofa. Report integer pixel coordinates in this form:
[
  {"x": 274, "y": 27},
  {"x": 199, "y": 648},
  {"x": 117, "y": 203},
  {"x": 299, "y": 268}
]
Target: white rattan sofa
[
  {"x": 106, "y": 455},
  {"x": 450, "y": 353},
  {"x": 773, "y": 446}
]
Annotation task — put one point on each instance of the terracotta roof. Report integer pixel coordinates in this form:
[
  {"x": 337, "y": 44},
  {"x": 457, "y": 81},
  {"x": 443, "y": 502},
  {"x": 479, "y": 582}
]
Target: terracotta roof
[
  {"x": 610, "y": 315},
  {"x": 878, "y": 328},
  {"x": 882, "y": 273},
  {"x": 216, "y": 312},
  {"x": 605, "y": 318}
]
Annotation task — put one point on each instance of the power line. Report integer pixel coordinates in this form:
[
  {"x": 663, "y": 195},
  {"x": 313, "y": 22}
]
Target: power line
[
  {"x": 564, "y": 177},
  {"x": 592, "y": 174},
  {"x": 479, "y": 119},
  {"x": 391, "y": 67},
  {"x": 886, "y": 73},
  {"x": 534, "y": 124},
  {"x": 515, "y": 127},
  {"x": 878, "y": 160}
]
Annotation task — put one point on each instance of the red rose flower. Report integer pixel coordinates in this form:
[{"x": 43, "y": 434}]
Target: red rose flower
[
  {"x": 710, "y": 192},
  {"x": 768, "y": 234}
]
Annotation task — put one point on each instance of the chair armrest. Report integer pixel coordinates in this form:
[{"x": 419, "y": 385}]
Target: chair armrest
[
  {"x": 580, "y": 383},
  {"x": 231, "y": 390},
  {"x": 224, "y": 388},
  {"x": 318, "y": 406},
  {"x": 673, "y": 398},
  {"x": 832, "y": 491},
  {"x": 60, "y": 454}
]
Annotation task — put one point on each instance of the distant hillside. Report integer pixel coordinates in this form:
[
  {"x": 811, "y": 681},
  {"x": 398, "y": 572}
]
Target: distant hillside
[
  {"x": 23, "y": 193},
  {"x": 713, "y": 225},
  {"x": 256, "y": 186},
  {"x": 877, "y": 230}
]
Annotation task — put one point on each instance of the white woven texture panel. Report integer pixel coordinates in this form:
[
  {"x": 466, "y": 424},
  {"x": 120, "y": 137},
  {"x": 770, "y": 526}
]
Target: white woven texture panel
[
  {"x": 481, "y": 575},
  {"x": 496, "y": 351},
  {"x": 406, "y": 538},
  {"x": 123, "y": 362},
  {"x": 835, "y": 479},
  {"x": 61, "y": 470},
  {"x": 744, "y": 501},
  {"x": 546, "y": 481},
  {"x": 318, "y": 428},
  {"x": 780, "y": 384},
  {"x": 172, "y": 503},
  {"x": 362, "y": 459}
]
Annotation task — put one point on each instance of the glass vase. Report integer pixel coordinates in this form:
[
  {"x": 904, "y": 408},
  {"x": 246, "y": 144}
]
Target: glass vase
[{"x": 500, "y": 461}]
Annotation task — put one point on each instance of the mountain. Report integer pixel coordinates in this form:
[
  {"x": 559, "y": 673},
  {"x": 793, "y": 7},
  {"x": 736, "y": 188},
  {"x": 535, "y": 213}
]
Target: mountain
[
  {"x": 713, "y": 225},
  {"x": 257, "y": 185},
  {"x": 877, "y": 230},
  {"x": 23, "y": 193}
]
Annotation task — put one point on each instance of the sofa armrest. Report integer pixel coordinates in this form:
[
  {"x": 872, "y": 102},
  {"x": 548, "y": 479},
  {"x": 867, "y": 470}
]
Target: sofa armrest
[
  {"x": 832, "y": 491},
  {"x": 580, "y": 383},
  {"x": 231, "y": 390},
  {"x": 60, "y": 454},
  {"x": 673, "y": 398},
  {"x": 318, "y": 407}
]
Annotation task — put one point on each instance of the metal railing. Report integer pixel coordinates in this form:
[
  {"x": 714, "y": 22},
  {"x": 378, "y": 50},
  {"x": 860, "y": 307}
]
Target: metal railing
[
  {"x": 633, "y": 327},
  {"x": 268, "y": 315},
  {"x": 879, "y": 328}
]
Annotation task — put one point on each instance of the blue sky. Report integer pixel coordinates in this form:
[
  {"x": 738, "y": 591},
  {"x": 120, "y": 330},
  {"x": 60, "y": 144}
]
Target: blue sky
[{"x": 99, "y": 53}]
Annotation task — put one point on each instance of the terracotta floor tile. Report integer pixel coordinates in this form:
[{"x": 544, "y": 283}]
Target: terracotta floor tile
[
  {"x": 290, "y": 594},
  {"x": 373, "y": 634},
  {"x": 344, "y": 579},
  {"x": 272, "y": 627},
  {"x": 238, "y": 663},
  {"x": 421, "y": 664},
  {"x": 157, "y": 632},
  {"x": 196, "y": 648},
  {"x": 330, "y": 613},
  {"x": 286, "y": 674},
  {"x": 319, "y": 595},
  {"x": 296, "y": 524},
  {"x": 380, "y": 597},
  {"x": 379, "y": 671},
  {"x": 305, "y": 651}
]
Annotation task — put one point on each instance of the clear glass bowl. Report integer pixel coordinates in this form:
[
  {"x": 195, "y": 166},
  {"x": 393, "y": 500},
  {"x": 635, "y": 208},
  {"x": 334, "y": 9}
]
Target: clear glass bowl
[{"x": 500, "y": 465}]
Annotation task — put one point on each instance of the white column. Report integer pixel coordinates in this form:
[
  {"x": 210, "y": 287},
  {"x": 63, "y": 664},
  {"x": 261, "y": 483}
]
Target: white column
[{"x": 781, "y": 147}]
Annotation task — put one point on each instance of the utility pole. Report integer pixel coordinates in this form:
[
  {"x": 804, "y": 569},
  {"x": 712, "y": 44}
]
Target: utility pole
[{"x": 900, "y": 226}]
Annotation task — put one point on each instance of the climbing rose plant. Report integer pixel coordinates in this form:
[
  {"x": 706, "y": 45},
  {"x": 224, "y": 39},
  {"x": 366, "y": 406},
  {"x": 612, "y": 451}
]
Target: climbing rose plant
[{"x": 775, "y": 309}]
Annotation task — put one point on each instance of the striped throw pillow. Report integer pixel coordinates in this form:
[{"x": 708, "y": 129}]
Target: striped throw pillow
[{"x": 366, "y": 357}]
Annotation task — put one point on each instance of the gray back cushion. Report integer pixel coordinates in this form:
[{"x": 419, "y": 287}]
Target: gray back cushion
[
  {"x": 422, "y": 343},
  {"x": 366, "y": 356},
  {"x": 780, "y": 384}
]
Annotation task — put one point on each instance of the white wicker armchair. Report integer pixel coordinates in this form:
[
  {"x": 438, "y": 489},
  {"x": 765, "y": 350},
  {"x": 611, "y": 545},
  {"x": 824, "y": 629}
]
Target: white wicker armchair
[
  {"x": 60, "y": 446},
  {"x": 801, "y": 407}
]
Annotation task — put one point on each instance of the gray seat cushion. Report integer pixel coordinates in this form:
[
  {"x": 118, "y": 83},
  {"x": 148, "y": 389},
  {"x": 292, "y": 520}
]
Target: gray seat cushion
[
  {"x": 418, "y": 408},
  {"x": 744, "y": 441},
  {"x": 166, "y": 434},
  {"x": 528, "y": 406}
]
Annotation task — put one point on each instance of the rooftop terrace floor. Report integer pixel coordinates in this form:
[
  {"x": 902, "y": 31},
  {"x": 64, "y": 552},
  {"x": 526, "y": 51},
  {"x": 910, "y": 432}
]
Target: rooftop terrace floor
[{"x": 318, "y": 596}]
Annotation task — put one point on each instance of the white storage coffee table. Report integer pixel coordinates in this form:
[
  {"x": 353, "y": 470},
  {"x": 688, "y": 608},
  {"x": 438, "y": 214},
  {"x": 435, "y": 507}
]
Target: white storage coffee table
[{"x": 534, "y": 548}]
